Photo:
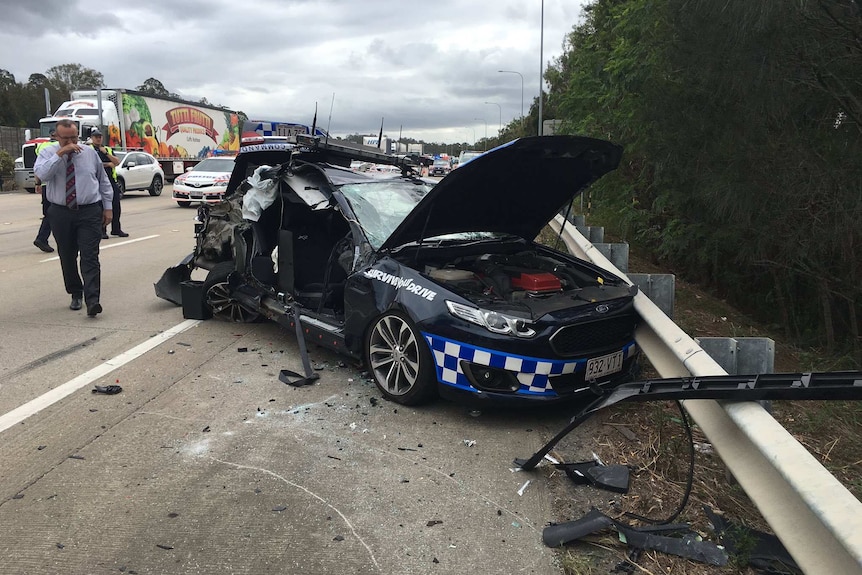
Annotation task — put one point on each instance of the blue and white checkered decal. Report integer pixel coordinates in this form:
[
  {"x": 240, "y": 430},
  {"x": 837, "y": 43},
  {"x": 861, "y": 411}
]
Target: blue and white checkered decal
[{"x": 533, "y": 373}]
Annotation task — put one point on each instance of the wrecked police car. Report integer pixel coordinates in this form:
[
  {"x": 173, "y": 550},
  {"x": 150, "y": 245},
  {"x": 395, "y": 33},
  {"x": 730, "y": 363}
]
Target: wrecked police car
[{"x": 437, "y": 286}]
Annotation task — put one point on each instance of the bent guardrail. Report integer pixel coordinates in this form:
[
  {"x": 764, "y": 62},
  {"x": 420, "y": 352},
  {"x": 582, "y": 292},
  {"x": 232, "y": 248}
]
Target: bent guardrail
[{"x": 814, "y": 515}]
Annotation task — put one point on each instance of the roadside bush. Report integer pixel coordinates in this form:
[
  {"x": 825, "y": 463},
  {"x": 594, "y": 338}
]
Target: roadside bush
[{"x": 7, "y": 166}]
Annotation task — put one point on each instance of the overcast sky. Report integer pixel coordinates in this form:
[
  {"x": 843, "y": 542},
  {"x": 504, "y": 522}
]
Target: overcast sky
[{"x": 427, "y": 68}]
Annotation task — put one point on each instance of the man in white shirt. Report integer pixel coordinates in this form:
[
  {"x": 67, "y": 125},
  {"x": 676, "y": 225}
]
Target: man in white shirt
[{"x": 79, "y": 195}]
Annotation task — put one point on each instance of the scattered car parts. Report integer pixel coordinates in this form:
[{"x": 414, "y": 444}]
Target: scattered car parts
[
  {"x": 689, "y": 545},
  {"x": 824, "y": 385},
  {"x": 609, "y": 477}
]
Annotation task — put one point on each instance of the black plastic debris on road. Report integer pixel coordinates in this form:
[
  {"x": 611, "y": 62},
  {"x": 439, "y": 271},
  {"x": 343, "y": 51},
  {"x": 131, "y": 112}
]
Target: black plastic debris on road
[
  {"x": 76, "y": 457},
  {"x": 338, "y": 538},
  {"x": 279, "y": 508},
  {"x": 689, "y": 545},
  {"x": 763, "y": 551},
  {"x": 611, "y": 477},
  {"x": 107, "y": 389},
  {"x": 296, "y": 380},
  {"x": 165, "y": 547}
]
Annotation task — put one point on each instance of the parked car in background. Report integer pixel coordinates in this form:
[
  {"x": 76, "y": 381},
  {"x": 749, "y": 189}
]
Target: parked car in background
[
  {"x": 205, "y": 182},
  {"x": 139, "y": 171},
  {"x": 438, "y": 285},
  {"x": 439, "y": 168}
]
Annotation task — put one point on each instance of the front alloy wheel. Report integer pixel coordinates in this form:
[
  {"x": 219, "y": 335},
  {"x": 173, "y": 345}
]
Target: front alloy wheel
[{"x": 399, "y": 360}]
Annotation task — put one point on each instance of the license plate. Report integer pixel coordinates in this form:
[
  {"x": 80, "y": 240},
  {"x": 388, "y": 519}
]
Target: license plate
[
  {"x": 604, "y": 365},
  {"x": 196, "y": 196}
]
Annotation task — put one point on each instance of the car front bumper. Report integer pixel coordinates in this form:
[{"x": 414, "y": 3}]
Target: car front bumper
[
  {"x": 207, "y": 195},
  {"x": 504, "y": 377},
  {"x": 24, "y": 179}
]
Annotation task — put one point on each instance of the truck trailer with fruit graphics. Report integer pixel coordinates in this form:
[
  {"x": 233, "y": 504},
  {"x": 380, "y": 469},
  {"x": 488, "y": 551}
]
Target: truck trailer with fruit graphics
[{"x": 177, "y": 132}]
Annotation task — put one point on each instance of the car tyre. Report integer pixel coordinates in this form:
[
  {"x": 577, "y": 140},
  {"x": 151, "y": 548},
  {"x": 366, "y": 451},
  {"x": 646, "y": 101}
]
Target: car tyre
[
  {"x": 121, "y": 186},
  {"x": 219, "y": 299},
  {"x": 184, "y": 204},
  {"x": 399, "y": 360},
  {"x": 156, "y": 186}
]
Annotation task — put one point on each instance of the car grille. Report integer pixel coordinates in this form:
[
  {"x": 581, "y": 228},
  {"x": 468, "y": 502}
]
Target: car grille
[
  {"x": 585, "y": 338},
  {"x": 29, "y": 156}
]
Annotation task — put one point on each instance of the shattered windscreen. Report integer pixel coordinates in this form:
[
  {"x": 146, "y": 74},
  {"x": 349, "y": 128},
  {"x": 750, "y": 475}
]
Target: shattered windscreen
[{"x": 381, "y": 206}]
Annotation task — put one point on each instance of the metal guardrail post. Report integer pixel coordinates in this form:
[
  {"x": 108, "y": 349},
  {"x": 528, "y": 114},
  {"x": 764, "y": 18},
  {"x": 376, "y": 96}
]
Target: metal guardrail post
[
  {"x": 818, "y": 519},
  {"x": 618, "y": 254},
  {"x": 741, "y": 355},
  {"x": 660, "y": 288}
]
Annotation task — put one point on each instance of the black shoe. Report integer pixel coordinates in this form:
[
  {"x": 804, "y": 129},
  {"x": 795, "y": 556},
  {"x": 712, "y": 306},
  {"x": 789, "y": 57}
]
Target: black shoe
[
  {"x": 76, "y": 303},
  {"x": 120, "y": 234},
  {"x": 104, "y": 235},
  {"x": 43, "y": 245},
  {"x": 92, "y": 310}
]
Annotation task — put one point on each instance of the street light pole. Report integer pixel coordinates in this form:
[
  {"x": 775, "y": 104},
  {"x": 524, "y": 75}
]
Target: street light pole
[
  {"x": 541, "y": 63},
  {"x": 474, "y": 134},
  {"x": 500, "y": 130},
  {"x": 522, "y": 90},
  {"x": 485, "y": 142}
]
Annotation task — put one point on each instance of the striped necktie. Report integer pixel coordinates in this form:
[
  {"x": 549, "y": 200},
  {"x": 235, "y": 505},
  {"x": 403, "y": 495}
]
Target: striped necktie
[{"x": 71, "y": 196}]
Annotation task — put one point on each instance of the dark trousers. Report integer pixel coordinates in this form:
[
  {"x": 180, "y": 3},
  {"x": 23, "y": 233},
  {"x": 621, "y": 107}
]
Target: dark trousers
[
  {"x": 79, "y": 232},
  {"x": 45, "y": 227},
  {"x": 115, "y": 207}
]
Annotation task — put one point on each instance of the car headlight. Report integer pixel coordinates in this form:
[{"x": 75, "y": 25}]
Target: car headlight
[
  {"x": 491, "y": 320},
  {"x": 19, "y": 164}
]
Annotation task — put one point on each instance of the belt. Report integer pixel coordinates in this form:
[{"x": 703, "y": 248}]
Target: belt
[{"x": 77, "y": 206}]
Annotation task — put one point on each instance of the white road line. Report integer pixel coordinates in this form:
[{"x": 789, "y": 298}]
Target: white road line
[
  {"x": 101, "y": 247},
  {"x": 36, "y": 405}
]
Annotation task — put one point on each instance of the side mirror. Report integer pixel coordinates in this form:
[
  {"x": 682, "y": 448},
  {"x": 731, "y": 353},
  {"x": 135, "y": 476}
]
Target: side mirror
[
  {"x": 131, "y": 164},
  {"x": 190, "y": 168}
]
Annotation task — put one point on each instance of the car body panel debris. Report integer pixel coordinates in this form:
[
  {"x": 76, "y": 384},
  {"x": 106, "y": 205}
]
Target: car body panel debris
[{"x": 688, "y": 546}]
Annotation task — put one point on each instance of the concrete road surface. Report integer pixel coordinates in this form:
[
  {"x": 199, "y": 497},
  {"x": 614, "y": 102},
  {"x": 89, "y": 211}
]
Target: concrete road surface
[{"x": 206, "y": 463}]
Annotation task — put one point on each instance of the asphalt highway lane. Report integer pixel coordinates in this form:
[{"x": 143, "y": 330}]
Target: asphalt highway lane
[{"x": 206, "y": 463}]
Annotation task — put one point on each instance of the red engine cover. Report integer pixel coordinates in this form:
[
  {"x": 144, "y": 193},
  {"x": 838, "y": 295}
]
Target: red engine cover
[{"x": 537, "y": 282}]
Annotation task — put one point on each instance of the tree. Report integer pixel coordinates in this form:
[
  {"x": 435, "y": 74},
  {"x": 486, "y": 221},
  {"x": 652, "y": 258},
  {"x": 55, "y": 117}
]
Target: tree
[
  {"x": 7, "y": 80},
  {"x": 154, "y": 87},
  {"x": 67, "y": 77},
  {"x": 742, "y": 126},
  {"x": 37, "y": 80}
]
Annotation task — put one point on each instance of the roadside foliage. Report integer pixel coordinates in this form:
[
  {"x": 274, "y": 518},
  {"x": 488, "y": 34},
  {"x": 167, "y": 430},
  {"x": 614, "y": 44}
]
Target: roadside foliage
[{"x": 741, "y": 127}]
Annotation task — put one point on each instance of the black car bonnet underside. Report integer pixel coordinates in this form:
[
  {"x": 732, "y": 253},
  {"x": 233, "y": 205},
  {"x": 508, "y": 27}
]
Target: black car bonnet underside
[{"x": 515, "y": 189}]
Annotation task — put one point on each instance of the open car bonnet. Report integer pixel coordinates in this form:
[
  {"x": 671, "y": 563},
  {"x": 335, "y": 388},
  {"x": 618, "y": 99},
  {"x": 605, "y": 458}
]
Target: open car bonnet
[{"x": 515, "y": 188}]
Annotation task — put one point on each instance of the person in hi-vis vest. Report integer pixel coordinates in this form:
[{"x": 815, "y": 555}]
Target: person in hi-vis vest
[
  {"x": 44, "y": 232},
  {"x": 110, "y": 162}
]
